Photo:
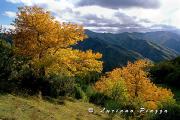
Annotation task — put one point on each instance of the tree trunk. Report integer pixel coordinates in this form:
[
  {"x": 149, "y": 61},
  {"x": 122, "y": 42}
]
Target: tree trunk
[
  {"x": 41, "y": 74},
  {"x": 42, "y": 68}
]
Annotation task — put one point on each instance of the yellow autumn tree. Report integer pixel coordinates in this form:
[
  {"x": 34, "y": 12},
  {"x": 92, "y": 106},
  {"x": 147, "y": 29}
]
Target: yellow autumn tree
[
  {"x": 39, "y": 36},
  {"x": 113, "y": 85},
  {"x": 71, "y": 62},
  {"x": 139, "y": 90}
]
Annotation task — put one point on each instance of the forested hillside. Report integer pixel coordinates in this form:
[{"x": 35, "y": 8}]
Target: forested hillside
[
  {"x": 54, "y": 70},
  {"x": 117, "y": 49}
]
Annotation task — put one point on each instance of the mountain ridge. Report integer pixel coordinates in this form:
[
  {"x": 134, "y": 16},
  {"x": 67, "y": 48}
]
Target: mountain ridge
[{"x": 118, "y": 49}]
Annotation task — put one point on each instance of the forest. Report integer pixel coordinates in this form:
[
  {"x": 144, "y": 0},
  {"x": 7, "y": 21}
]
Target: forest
[{"x": 38, "y": 61}]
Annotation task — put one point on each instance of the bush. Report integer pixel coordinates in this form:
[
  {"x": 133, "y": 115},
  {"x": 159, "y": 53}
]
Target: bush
[
  {"x": 112, "y": 105},
  {"x": 58, "y": 86},
  {"x": 173, "y": 113},
  {"x": 28, "y": 81},
  {"x": 89, "y": 91},
  {"x": 160, "y": 71},
  {"x": 80, "y": 94},
  {"x": 84, "y": 80},
  {"x": 5, "y": 71},
  {"x": 98, "y": 98},
  {"x": 173, "y": 78},
  {"x": 167, "y": 72}
]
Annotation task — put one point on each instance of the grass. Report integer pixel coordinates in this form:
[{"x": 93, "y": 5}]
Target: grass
[{"x": 31, "y": 108}]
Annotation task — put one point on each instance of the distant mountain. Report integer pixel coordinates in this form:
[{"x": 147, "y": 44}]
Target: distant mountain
[
  {"x": 167, "y": 39},
  {"x": 6, "y": 37},
  {"x": 117, "y": 49},
  {"x": 177, "y": 31},
  {"x": 113, "y": 55}
]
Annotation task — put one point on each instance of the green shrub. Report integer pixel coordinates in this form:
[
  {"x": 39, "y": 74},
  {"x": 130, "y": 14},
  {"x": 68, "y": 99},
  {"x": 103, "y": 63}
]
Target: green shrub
[
  {"x": 173, "y": 78},
  {"x": 59, "y": 86},
  {"x": 89, "y": 91},
  {"x": 167, "y": 72},
  {"x": 112, "y": 105},
  {"x": 80, "y": 94},
  {"x": 98, "y": 98},
  {"x": 160, "y": 71},
  {"x": 5, "y": 70},
  {"x": 173, "y": 113}
]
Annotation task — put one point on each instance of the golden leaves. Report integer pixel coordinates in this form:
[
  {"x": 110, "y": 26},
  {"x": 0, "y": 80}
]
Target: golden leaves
[
  {"x": 134, "y": 78},
  {"x": 36, "y": 31},
  {"x": 76, "y": 62},
  {"x": 48, "y": 42}
]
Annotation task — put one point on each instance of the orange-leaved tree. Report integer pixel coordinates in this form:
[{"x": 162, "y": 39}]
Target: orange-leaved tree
[
  {"x": 135, "y": 86},
  {"x": 39, "y": 36}
]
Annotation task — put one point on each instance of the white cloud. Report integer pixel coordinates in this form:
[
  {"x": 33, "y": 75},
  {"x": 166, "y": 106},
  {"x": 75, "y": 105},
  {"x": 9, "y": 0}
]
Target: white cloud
[
  {"x": 7, "y": 27},
  {"x": 30, "y": 2},
  {"x": 10, "y": 14},
  {"x": 14, "y": 1},
  {"x": 175, "y": 19},
  {"x": 171, "y": 11},
  {"x": 67, "y": 11},
  {"x": 167, "y": 14}
]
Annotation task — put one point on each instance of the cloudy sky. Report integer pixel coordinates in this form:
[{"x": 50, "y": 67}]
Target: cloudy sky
[{"x": 105, "y": 15}]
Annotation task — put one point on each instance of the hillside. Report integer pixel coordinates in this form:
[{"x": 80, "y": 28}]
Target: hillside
[
  {"x": 19, "y": 108},
  {"x": 51, "y": 70},
  {"x": 167, "y": 39},
  {"x": 113, "y": 55},
  {"x": 117, "y": 49}
]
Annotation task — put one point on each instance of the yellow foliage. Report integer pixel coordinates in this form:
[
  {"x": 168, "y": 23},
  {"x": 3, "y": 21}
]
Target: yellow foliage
[
  {"x": 139, "y": 87},
  {"x": 36, "y": 31},
  {"x": 71, "y": 62},
  {"x": 48, "y": 42}
]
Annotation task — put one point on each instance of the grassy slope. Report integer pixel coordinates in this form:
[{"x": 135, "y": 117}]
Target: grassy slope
[{"x": 19, "y": 108}]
